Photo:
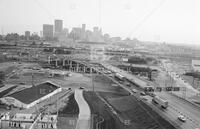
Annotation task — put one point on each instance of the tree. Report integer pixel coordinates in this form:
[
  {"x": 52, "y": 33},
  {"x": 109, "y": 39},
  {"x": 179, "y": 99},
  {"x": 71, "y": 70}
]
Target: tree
[
  {"x": 12, "y": 37},
  {"x": 22, "y": 37}
]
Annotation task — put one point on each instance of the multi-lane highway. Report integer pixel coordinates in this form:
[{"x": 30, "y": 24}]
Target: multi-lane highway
[
  {"x": 176, "y": 106},
  {"x": 179, "y": 106}
]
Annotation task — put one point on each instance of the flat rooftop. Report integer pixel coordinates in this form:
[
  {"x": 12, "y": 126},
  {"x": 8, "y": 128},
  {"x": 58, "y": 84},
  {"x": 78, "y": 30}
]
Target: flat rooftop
[{"x": 33, "y": 93}]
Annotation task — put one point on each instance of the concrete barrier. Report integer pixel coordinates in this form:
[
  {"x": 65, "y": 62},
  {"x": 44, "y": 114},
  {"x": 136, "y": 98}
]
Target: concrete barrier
[{"x": 194, "y": 104}]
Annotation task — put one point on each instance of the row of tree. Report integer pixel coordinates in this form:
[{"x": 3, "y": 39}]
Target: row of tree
[{"x": 16, "y": 37}]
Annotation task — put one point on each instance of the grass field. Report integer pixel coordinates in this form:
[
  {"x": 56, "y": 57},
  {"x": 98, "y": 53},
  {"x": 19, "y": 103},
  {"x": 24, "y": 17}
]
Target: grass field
[
  {"x": 140, "y": 114},
  {"x": 98, "y": 108}
]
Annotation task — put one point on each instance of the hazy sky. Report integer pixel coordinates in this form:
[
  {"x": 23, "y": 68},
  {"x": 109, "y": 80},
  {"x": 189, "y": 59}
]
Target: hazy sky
[{"x": 153, "y": 20}]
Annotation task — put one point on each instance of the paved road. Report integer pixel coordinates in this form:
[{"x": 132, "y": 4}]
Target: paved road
[
  {"x": 84, "y": 117},
  {"x": 176, "y": 106},
  {"x": 191, "y": 112}
]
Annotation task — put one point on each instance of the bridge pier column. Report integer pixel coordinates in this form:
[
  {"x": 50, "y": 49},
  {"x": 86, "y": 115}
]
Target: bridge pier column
[
  {"x": 56, "y": 62},
  {"x": 77, "y": 67},
  {"x": 63, "y": 62},
  {"x": 49, "y": 59},
  {"x": 84, "y": 69},
  {"x": 91, "y": 70},
  {"x": 70, "y": 64}
]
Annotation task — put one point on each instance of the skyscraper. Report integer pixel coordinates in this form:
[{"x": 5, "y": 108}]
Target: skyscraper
[
  {"x": 58, "y": 24},
  {"x": 27, "y": 35},
  {"x": 83, "y": 27},
  {"x": 47, "y": 32},
  {"x": 83, "y": 34}
]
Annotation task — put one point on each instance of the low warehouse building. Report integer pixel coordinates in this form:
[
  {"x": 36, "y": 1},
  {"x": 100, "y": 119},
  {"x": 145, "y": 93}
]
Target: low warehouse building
[{"x": 30, "y": 96}]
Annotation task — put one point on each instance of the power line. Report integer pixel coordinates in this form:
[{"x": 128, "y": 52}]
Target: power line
[
  {"x": 146, "y": 18},
  {"x": 50, "y": 15},
  {"x": 99, "y": 13}
]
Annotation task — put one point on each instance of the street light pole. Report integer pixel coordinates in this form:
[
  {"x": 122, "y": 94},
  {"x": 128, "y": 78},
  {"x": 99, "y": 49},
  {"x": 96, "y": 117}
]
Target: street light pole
[{"x": 92, "y": 81}]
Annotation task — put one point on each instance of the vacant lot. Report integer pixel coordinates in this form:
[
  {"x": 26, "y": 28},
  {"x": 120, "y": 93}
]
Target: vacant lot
[
  {"x": 98, "y": 108},
  {"x": 128, "y": 108},
  {"x": 140, "y": 115},
  {"x": 70, "y": 108}
]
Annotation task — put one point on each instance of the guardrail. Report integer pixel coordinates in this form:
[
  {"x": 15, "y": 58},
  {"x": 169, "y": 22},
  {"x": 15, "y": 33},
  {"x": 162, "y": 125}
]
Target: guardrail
[{"x": 196, "y": 105}]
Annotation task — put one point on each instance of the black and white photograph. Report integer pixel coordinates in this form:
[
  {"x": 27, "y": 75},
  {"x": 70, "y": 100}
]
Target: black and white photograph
[{"x": 99, "y": 64}]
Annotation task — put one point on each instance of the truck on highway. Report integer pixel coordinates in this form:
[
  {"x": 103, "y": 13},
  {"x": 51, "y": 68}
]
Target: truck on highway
[
  {"x": 119, "y": 76},
  {"x": 162, "y": 102}
]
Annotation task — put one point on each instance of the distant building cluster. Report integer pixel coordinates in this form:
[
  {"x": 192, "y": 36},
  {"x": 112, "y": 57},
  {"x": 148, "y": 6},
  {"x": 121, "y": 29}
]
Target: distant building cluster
[{"x": 57, "y": 32}]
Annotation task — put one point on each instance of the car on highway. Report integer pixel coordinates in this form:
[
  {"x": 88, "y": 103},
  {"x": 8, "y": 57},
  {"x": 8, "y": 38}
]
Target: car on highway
[
  {"x": 150, "y": 94},
  {"x": 69, "y": 74},
  {"x": 81, "y": 88},
  {"x": 182, "y": 118},
  {"x": 128, "y": 84},
  {"x": 22, "y": 83},
  {"x": 109, "y": 72},
  {"x": 134, "y": 90},
  {"x": 142, "y": 93}
]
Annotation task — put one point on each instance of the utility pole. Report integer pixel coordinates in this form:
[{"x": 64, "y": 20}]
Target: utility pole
[
  {"x": 32, "y": 79},
  {"x": 184, "y": 93},
  {"x": 92, "y": 81}
]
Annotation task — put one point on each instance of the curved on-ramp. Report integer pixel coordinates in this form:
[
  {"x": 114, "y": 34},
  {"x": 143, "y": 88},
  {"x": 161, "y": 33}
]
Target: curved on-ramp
[{"x": 84, "y": 117}]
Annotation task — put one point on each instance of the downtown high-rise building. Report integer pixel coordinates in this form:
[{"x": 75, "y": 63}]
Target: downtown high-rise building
[
  {"x": 27, "y": 35},
  {"x": 58, "y": 28},
  {"x": 58, "y": 24},
  {"x": 47, "y": 31},
  {"x": 83, "y": 32}
]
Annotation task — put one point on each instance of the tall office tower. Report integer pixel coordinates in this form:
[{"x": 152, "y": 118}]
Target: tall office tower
[
  {"x": 65, "y": 32},
  {"x": 27, "y": 35},
  {"x": 83, "y": 32},
  {"x": 83, "y": 27},
  {"x": 96, "y": 35},
  {"x": 95, "y": 29},
  {"x": 58, "y": 24},
  {"x": 47, "y": 32}
]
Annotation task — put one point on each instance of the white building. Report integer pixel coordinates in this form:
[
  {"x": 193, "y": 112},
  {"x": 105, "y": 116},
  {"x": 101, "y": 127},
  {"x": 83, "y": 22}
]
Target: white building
[
  {"x": 196, "y": 65},
  {"x": 30, "y": 96}
]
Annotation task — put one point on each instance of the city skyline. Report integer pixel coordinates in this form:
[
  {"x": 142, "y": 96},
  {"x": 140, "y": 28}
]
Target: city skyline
[{"x": 158, "y": 20}]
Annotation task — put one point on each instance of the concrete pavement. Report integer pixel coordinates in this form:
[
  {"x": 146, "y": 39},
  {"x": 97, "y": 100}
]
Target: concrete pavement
[{"x": 84, "y": 117}]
